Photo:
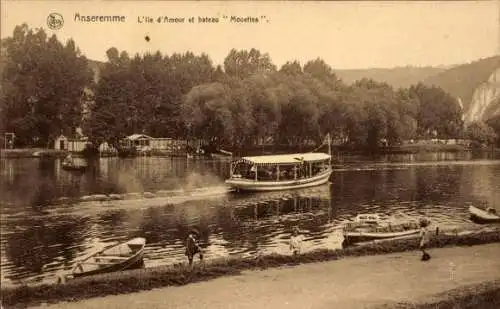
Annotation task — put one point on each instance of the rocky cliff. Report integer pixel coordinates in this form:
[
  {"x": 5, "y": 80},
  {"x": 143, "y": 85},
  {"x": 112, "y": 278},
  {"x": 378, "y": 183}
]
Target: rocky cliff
[
  {"x": 475, "y": 84},
  {"x": 485, "y": 102}
]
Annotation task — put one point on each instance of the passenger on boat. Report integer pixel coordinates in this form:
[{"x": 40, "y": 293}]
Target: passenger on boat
[
  {"x": 68, "y": 159},
  {"x": 251, "y": 172},
  {"x": 295, "y": 242},
  {"x": 491, "y": 210},
  {"x": 193, "y": 247}
]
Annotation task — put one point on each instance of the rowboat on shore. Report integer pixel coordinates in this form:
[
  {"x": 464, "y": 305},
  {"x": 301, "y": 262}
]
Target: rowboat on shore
[
  {"x": 119, "y": 257},
  {"x": 479, "y": 215},
  {"x": 368, "y": 227}
]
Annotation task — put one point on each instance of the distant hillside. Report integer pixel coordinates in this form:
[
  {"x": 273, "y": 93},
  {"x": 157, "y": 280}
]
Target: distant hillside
[
  {"x": 397, "y": 77},
  {"x": 461, "y": 81}
]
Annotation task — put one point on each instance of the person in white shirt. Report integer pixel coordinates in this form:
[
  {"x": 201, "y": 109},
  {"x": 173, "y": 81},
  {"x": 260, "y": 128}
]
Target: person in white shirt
[
  {"x": 295, "y": 242},
  {"x": 424, "y": 240}
]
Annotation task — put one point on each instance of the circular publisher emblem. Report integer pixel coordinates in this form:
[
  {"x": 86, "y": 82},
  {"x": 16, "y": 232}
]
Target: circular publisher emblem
[{"x": 55, "y": 21}]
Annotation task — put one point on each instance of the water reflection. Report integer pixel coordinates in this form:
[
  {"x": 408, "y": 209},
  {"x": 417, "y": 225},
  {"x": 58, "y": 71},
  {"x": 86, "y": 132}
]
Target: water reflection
[
  {"x": 35, "y": 244},
  {"x": 42, "y": 234}
]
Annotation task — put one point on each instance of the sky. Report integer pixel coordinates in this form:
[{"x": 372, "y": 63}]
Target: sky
[{"x": 346, "y": 35}]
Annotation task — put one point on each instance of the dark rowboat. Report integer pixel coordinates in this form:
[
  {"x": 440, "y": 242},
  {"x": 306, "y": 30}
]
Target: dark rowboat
[
  {"x": 74, "y": 167},
  {"x": 119, "y": 257},
  {"x": 479, "y": 215}
]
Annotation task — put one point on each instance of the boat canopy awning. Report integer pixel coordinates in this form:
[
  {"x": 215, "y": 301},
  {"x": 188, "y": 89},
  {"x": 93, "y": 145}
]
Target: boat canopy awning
[{"x": 286, "y": 158}]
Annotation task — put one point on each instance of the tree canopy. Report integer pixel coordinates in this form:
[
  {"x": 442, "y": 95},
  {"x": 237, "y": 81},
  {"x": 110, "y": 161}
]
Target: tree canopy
[
  {"x": 43, "y": 83},
  {"x": 244, "y": 101}
]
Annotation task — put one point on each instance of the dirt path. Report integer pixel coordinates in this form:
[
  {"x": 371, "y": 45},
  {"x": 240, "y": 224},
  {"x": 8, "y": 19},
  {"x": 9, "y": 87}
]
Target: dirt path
[{"x": 349, "y": 283}]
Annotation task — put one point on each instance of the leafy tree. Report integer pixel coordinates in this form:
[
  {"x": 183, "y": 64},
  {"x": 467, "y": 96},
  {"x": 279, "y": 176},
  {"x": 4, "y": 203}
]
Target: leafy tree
[
  {"x": 183, "y": 95},
  {"x": 207, "y": 108},
  {"x": 291, "y": 68},
  {"x": 481, "y": 133},
  {"x": 144, "y": 94},
  {"x": 113, "y": 108},
  {"x": 265, "y": 105},
  {"x": 244, "y": 63},
  {"x": 319, "y": 69},
  {"x": 438, "y": 111},
  {"x": 494, "y": 123},
  {"x": 43, "y": 88}
]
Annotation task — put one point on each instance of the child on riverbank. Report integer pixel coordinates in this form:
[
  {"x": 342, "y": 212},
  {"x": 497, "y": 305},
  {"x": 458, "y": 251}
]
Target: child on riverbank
[
  {"x": 193, "y": 248},
  {"x": 295, "y": 242},
  {"x": 424, "y": 240}
]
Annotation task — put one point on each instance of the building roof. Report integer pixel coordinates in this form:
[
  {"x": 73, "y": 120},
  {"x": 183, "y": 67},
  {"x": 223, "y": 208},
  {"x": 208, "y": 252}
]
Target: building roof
[
  {"x": 138, "y": 136},
  {"x": 287, "y": 158}
]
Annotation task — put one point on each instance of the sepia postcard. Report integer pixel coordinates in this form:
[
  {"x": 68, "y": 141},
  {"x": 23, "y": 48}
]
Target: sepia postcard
[{"x": 250, "y": 154}]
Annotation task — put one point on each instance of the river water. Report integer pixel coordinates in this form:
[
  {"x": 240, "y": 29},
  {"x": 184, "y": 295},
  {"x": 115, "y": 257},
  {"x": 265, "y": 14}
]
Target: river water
[{"x": 50, "y": 217}]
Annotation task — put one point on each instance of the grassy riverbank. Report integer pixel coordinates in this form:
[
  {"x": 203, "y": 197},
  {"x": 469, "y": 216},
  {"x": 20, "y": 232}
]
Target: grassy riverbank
[
  {"x": 483, "y": 296},
  {"x": 149, "y": 278}
]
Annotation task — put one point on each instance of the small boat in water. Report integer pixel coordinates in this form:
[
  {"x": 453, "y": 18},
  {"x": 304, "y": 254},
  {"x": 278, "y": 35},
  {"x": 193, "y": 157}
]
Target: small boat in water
[
  {"x": 368, "y": 227},
  {"x": 74, "y": 167},
  {"x": 119, "y": 257},
  {"x": 487, "y": 215}
]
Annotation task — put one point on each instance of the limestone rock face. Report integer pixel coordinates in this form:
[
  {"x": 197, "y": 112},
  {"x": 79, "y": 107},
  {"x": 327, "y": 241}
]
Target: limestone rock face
[{"x": 485, "y": 101}]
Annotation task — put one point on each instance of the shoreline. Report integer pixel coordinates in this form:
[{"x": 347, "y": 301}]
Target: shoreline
[
  {"x": 397, "y": 280},
  {"x": 19, "y": 153},
  {"x": 164, "y": 276}
]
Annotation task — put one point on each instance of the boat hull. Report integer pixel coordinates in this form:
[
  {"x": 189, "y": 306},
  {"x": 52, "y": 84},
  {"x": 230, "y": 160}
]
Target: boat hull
[
  {"x": 132, "y": 264},
  {"x": 134, "y": 261},
  {"x": 74, "y": 168},
  {"x": 354, "y": 237},
  {"x": 261, "y": 186},
  {"x": 480, "y": 216}
]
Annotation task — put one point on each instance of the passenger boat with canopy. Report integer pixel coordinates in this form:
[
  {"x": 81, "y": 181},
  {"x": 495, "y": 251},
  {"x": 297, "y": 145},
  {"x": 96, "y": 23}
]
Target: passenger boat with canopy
[{"x": 280, "y": 172}]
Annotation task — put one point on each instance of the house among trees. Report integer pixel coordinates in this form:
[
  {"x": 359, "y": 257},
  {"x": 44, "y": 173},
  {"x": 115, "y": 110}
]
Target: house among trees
[
  {"x": 76, "y": 143},
  {"x": 139, "y": 141},
  {"x": 145, "y": 143}
]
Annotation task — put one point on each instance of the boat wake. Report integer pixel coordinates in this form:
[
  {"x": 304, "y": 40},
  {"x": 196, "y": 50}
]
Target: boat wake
[{"x": 136, "y": 200}]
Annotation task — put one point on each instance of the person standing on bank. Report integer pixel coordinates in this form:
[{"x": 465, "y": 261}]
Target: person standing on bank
[
  {"x": 192, "y": 247},
  {"x": 295, "y": 242},
  {"x": 424, "y": 240}
]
